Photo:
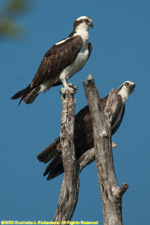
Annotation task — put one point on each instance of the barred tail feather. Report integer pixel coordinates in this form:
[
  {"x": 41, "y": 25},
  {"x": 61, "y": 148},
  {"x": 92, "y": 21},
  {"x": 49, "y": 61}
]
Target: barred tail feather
[
  {"x": 50, "y": 152},
  {"x": 27, "y": 95},
  {"x": 53, "y": 154},
  {"x": 21, "y": 93}
]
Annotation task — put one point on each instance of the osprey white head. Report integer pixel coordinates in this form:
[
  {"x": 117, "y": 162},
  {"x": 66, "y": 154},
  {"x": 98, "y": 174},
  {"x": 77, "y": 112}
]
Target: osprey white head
[
  {"x": 83, "y": 22},
  {"x": 126, "y": 89}
]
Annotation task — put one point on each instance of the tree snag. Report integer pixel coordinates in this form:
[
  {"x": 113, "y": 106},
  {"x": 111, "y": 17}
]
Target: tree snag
[
  {"x": 70, "y": 185},
  {"x": 111, "y": 193}
]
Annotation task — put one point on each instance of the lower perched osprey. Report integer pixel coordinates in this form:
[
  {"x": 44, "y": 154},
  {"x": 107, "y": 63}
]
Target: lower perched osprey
[
  {"x": 61, "y": 62},
  {"x": 83, "y": 133}
]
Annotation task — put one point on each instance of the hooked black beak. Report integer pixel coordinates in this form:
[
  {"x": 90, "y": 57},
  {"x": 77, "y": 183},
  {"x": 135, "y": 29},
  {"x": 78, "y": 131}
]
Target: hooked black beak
[
  {"x": 92, "y": 25},
  {"x": 132, "y": 87}
]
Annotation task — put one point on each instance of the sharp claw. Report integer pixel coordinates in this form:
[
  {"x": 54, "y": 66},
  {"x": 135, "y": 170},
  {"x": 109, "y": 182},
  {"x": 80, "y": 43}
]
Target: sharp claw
[
  {"x": 64, "y": 89},
  {"x": 70, "y": 87}
]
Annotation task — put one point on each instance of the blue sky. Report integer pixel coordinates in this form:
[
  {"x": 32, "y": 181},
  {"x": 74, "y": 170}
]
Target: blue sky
[{"x": 121, "y": 51}]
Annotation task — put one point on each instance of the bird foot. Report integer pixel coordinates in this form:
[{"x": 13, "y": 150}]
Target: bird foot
[{"x": 69, "y": 88}]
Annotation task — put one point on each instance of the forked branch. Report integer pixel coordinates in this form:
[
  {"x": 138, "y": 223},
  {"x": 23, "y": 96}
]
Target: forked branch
[{"x": 111, "y": 194}]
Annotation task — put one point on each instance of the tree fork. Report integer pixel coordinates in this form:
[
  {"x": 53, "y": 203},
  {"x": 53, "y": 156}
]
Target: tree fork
[{"x": 111, "y": 194}]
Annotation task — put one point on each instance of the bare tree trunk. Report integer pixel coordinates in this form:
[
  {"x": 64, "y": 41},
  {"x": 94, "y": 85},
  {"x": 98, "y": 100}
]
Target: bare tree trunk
[
  {"x": 70, "y": 185},
  {"x": 111, "y": 194}
]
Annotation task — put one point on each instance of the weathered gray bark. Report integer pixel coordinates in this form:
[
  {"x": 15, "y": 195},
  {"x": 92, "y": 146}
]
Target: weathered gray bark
[
  {"x": 70, "y": 185},
  {"x": 111, "y": 194},
  {"x": 88, "y": 157}
]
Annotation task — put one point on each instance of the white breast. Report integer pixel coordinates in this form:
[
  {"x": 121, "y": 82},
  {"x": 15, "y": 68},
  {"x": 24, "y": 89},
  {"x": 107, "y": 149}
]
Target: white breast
[{"x": 77, "y": 65}]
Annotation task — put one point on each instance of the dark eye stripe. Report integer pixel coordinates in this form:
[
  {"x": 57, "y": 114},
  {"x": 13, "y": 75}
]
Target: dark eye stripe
[
  {"x": 86, "y": 20},
  {"x": 76, "y": 23}
]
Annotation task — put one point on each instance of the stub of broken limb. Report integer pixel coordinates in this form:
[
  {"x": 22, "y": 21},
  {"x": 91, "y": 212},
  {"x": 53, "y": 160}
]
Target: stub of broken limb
[
  {"x": 119, "y": 191},
  {"x": 114, "y": 145}
]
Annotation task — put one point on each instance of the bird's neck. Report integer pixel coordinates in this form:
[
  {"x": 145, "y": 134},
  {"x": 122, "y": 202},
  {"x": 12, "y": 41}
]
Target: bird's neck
[
  {"x": 83, "y": 31},
  {"x": 84, "y": 35},
  {"x": 124, "y": 95}
]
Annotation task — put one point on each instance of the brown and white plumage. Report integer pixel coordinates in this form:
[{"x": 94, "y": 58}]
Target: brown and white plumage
[
  {"x": 83, "y": 134},
  {"x": 62, "y": 61}
]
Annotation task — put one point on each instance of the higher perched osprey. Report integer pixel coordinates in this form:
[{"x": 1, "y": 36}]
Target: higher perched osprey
[
  {"x": 83, "y": 133},
  {"x": 64, "y": 59}
]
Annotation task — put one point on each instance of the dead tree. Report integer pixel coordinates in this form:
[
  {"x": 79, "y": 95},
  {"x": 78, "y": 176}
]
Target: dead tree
[
  {"x": 111, "y": 193},
  {"x": 70, "y": 185}
]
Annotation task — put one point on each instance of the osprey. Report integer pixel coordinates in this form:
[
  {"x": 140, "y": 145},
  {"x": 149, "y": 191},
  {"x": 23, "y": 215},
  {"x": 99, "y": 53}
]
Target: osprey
[
  {"x": 61, "y": 62},
  {"x": 83, "y": 134}
]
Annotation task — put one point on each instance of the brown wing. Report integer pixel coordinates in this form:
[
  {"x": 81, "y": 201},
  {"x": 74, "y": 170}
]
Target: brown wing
[
  {"x": 90, "y": 47},
  {"x": 118, "y": 124},
  {"x": 83, "y": 139},
  {"x": 83, "y": 134},
  {"x": 118, "y": 115},
  {"x": 56, "y": 59}
]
